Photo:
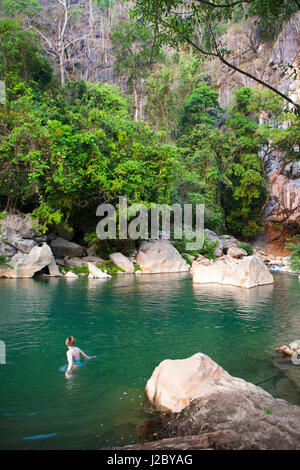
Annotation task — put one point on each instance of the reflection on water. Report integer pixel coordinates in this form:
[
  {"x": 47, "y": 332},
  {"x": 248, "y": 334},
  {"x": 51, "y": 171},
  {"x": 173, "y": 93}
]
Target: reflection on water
[
  {"x": 131, "y": 323},
  {"x": 245, "y": 298}
]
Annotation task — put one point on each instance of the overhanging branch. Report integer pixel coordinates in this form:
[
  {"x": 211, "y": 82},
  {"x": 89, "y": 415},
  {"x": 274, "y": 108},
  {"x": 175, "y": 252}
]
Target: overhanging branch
[
  {"x": 248, "y": 74},
  {"x": 222, "y": 5}
]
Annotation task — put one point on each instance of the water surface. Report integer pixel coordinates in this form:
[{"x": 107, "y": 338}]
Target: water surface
[{"x": 131, "y": 323}]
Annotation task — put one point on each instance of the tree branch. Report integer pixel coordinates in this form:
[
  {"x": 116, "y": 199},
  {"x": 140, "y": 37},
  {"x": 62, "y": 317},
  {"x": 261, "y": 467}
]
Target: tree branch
[
  {"x": 223, "y": 5},
  {"x": 189, "y": 41},
  {"x": 247, "y": 74},
  {"x": 261, "y": 82},
  {"x": 297, "y": 3}
]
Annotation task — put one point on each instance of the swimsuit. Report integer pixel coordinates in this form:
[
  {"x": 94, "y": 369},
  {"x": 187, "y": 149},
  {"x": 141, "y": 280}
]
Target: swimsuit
[{"x": 77, "y": 363}]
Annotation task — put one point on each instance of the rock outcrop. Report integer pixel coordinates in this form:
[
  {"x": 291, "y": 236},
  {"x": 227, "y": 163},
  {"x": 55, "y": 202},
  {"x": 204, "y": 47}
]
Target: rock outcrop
[
  {"x": 224, "y": 242},
  {"x": 71, "y": 275},
  {"x": 174, "y": 384},
  {"x": 270, "y": 61},
  {"x": 236, "y": 252},
  {"x": 265, "y": 59},
  {"x": 160, "y": 256},
  {"x": 62, "y": 247},
  {"x": 80, "y": 262},
  {"x": 18, "y": 233},
  {"x": 121, "y": 261},
  {"x": 26, "y": 265},
  {"x": 205, "y": 399},
  {"x": 282, "y": 213},
  {"x": 225, "y": 440},
  {"x": 23, "y": 244},
  {"x": 247, "y": 272}
]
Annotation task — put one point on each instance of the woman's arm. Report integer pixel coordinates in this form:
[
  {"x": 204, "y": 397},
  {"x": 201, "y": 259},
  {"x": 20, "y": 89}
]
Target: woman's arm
[
  {"x": 70, "y": 364},
  {"x": 85, "y": 356}
]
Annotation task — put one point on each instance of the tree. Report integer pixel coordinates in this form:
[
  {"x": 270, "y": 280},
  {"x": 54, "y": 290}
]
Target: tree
[
  {"x": 21, "y": 58},
  {"x": 176, "y": 22},
  {"x": 71, "y": 149},
  {"x": 204, "y": 171},
  {"x": 135, "y": 53},
  {"x": 167, "y": 89},
  {"x": 201, "y": 107}
]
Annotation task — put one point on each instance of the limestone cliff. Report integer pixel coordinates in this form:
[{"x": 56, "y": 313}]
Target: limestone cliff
[{"x": 271, "y": 61}]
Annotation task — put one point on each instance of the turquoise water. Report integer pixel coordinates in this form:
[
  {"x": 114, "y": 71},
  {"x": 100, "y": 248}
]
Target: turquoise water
[{"x": 131, "y": 323}]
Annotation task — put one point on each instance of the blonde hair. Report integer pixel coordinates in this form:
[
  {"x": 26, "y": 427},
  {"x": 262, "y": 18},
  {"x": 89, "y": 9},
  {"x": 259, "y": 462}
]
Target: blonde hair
[{"x": 70, "y": 341}]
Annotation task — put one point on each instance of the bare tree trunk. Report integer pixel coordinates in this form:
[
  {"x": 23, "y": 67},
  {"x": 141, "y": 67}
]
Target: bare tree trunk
[
  {"x": 136, "y": 107},
  {"x": 62, "y": 67},
  {"x": 61, "y": 41},
  {"x": 91, "y": 15}
]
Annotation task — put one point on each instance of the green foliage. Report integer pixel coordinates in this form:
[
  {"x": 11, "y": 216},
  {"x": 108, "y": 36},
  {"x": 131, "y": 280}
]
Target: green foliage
[
  {"x": 4, "y": 260},
  {"x": 168, "y": 87},
  {"x": 201, "y": 107},
  {"x": 104, "y": 4},
  {"x": 137, "y": 267},
  {"x": 186, "y": 258},
  {"x": 65, "y": 150},
  {"x": 294, "y": 247},
  {"x": 19, "y": 8},
  {"x": 204, "y": 171},
  {"x": 247, "y": 247},
  {"x": 71, "y": 149},
  {"x": 22, "y": 64},
  {"x": 248, "y": 192},
  {"x": 206, "y": 250},
  {"x": 77, "y": 270},
  {"x": 271, "y": 14},
  {"x": 136, "y": 51},
  {"x": 110, "y": 268},
  {"x": 202, "y": 24}
]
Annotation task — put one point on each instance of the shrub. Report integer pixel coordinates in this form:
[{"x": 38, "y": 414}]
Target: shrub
[
  {"x": 110, "y": 267},
  {"x": 206, "y": 250},
  {"x": 294, "y": 247},
  {"x": 4, "y": 260},
  {"x": 247, "y": 247},
  {"x": 187, "y": 259}
]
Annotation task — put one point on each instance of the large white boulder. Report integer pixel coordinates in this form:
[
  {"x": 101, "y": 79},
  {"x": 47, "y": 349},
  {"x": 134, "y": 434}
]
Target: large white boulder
[
  {"x": 236, "y": 252},
  {"x": 121, "y": 261},
  {"x": 160, "y": 257},
  {"x": 26, "y": 265},
  {"x": 174, "y": 384},
  {"x": 205, "y": 400},
  {"x": 247, "y": 272},
  {"x": 71, "y": 275},
  {"x": 96, "y": 272}
]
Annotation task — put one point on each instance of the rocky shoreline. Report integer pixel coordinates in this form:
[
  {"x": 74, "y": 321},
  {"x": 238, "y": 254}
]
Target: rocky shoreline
[{"x": 27, "y": 251}]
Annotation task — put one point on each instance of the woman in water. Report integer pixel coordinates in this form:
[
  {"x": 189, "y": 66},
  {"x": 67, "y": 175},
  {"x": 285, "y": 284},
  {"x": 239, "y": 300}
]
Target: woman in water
[{"x": 73, "y": 355}]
